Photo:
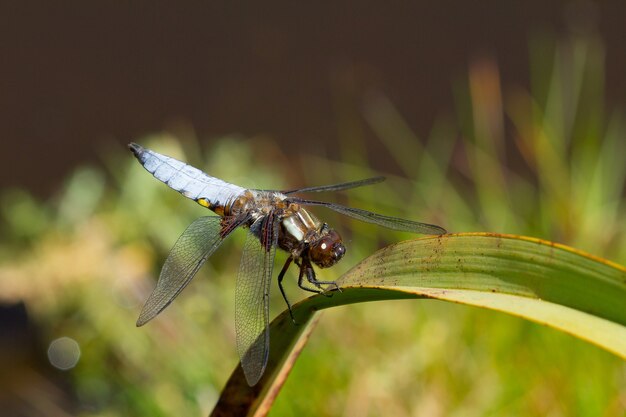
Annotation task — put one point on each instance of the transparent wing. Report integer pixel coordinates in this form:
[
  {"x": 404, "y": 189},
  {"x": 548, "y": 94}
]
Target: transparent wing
[
  {"x": 394, "y": 223},
  {"x": 337, "y": 187},
  {"x": 252, "y": 298},
  {"x": 189, "y": 253}
]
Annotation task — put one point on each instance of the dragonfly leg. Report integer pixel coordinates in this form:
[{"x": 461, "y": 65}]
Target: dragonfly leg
[
  {"x": 310, "y": 276},
  {"x": 281, "y": 275},
  {"x": 301, "y": 279}
]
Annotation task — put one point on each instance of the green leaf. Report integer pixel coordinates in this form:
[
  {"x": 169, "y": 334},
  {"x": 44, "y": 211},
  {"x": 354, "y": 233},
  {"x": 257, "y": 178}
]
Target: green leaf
[{"x": 541, "y": 281}]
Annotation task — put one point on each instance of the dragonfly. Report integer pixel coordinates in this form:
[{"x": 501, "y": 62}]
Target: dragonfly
[{"x": 275, "y": 219}]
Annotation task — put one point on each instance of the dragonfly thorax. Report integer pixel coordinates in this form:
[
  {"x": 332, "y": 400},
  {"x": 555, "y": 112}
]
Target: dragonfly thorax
[
  {"x": 304, "y": 236},
  {"x": 257, "y": 203}
]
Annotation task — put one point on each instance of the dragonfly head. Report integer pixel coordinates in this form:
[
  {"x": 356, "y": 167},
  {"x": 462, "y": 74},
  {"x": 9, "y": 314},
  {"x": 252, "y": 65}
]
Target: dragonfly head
[{"x": 328, "y": 249}]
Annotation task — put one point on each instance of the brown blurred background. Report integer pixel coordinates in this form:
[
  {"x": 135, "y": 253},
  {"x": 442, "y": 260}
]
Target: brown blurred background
[{"x": 75, "y": 74}]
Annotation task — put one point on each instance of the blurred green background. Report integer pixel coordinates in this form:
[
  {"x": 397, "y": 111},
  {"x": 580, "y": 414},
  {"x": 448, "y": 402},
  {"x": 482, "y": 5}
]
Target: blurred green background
[{"x": 543, "y": 157}]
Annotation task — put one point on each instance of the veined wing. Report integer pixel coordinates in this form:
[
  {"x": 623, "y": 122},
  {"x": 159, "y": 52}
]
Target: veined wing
[
  {"x": 189, "y": 253},
  {"x": 394, "y": 223},
  {"x": 336, "y": 187},
  {"x": 252, "y": 297}
]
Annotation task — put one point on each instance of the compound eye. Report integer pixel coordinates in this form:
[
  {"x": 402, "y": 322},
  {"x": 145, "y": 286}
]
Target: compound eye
[{"x": 328, "y": 250}]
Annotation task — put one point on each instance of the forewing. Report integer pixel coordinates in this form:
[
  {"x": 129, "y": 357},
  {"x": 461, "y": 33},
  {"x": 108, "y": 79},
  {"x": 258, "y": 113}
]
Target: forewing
[
  {"x": 394, "y": 223},
  {"x": 252, "y": 297},
  {"x": 337, "y": 187},
  {"x": 189, "y": 253}
]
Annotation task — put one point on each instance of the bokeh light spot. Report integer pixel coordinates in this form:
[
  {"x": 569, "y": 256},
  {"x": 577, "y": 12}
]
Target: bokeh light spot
[{"x": 63, "y": 353}]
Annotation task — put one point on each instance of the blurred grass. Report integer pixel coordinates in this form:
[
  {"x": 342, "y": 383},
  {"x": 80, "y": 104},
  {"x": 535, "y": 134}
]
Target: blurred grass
[{"x": 548, "y": 162}]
